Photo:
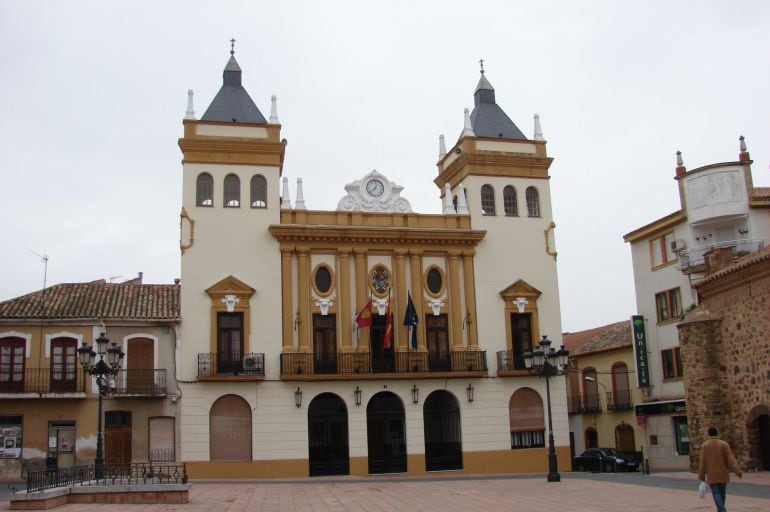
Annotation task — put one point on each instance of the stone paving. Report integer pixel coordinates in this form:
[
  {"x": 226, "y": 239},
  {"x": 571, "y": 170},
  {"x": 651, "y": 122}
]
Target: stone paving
[{"x": 525, "y": 493}]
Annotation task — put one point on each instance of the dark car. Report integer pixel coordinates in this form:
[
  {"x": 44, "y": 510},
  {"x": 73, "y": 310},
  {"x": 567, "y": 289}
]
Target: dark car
[{"x": 604, "y": 459}]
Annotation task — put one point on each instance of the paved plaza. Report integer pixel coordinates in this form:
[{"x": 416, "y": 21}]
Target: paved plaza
[{"x": 577, "y": 492}]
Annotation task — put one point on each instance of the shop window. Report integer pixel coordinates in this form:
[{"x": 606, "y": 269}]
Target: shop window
[
  {"x": 10, "y": 437},
  {"x": 682, "y": 435}
]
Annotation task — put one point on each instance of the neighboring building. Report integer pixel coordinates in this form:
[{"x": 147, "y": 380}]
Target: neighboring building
[
  {"x": 726, "y": 355},
  {"x": 720, "y": 208},
  {"x": 48, "y": 404},
  {"x": 601, "y": 389},
  {"x": 277, "y": 378}
]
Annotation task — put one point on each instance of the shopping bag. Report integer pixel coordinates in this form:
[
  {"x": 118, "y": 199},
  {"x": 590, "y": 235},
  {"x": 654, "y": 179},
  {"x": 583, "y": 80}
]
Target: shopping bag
[{"x": 702, "y": 486}]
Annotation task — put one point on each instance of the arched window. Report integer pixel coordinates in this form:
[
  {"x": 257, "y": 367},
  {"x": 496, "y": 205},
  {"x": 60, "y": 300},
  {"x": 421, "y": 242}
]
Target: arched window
[
  {"x": 533, "y": 202},
  {"x": 487, "y": 200},
  {"x": 624, "y": 438},
  {"x": 525, "y": 410},
  {"x": 230, "y": 429},
  {"x": 258, "y": 191},
  {"x": 232, "y": 193},
  {"x": 204, "y": 190},
  {"x": 621, "y": 395},
  {"x": 510, "y": 203}
]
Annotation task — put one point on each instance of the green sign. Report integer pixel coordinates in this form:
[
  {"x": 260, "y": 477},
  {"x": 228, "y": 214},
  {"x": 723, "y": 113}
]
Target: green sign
[{"x": 640, "y": 351}]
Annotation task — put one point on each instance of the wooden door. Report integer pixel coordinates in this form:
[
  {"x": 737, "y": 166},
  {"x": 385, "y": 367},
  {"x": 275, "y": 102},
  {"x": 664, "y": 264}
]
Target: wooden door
[
  {"x": 12, "y": 364},
  {"x": 139, "y": 367},
  {"x": 117, "y": 438},
  {"x": 63, "y": 367},
  {"x": 437, "y": 338},
  {"x": 324, "y": 344}
]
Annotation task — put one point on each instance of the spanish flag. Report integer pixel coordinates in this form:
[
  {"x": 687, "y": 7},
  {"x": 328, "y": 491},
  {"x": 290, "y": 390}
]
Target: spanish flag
[
  {"x": 364, "y": 317},
  {"x": 388, "y": 327}
]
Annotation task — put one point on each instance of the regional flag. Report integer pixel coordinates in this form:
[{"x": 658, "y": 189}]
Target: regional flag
[
  {"x": 388, "y": 327},
  {"x": 364, "y": 317},
  {"x": 411, "y": 319}
]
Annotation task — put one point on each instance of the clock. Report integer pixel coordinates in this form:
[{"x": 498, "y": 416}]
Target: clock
[{"x": 375, "y": 188}]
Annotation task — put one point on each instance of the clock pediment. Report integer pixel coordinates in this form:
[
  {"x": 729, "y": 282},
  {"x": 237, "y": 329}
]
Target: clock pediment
[{"x": 374, "y": 193}]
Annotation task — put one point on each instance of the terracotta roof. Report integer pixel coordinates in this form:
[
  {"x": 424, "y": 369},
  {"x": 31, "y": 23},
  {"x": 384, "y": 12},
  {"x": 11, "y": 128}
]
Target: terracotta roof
[
  {"x": 599, "y": 339},
  {"x": 741, "y": 263},
  {"x": 760, "y": 193},
  {"x": 96, "y": 300}
]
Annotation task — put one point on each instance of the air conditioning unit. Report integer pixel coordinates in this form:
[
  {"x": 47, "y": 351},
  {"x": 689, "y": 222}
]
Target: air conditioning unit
[
  {"x": 678, "y": 245},
  {"x": 250, "y": 365}
]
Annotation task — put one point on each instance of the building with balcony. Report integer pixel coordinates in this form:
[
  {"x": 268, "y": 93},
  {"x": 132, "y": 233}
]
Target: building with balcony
[
  {"x": 48, "y": 403},
  {"x": 359, "y": 340},
  {"x": 721, "y": 212},
  {"x": 601, "y": 389}
]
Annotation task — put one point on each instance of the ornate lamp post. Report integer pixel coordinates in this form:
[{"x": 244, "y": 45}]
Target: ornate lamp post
[
  {"x": 547, "y": 362},
  {"x": 102, "y": 370}
]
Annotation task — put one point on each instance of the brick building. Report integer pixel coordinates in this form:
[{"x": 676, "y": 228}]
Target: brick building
[{"x": 725, "y": 347}]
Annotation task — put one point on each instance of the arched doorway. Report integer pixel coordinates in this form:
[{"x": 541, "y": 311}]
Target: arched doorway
[
  {"x": 386, "y": 434},
  {"x": 327, "y": 427},
  {"x": 624, "y": 438},
  {"x": 763, "y": 431},
  {"x": 443, "y": 442}
]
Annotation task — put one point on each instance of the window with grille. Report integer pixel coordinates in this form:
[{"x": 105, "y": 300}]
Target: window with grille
[
  {"x": 232, "y": 191},
  {"x": 510, "y": 203},
  {"x": 525, "y": 410},
  {"x": 533, "y": 202},
  {"x": 258, "y": 191},
  {"x": 204, "y": 190},
  {"x": 487, "y": 200}
]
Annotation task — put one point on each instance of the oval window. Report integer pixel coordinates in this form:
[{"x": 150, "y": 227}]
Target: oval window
[
  {"x": 434, "y": 281},
  {"x": 323, "y": 279}
]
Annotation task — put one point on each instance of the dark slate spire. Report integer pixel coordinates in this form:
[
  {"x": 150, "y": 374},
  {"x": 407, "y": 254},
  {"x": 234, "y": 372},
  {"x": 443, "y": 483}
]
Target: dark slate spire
[
  {"x": 487, "y": 118},
  {"x": 232, "y": 104}
]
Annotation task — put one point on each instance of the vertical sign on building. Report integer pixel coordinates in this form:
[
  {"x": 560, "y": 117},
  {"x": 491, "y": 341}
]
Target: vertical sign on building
[{"x": 640, "y": 350}]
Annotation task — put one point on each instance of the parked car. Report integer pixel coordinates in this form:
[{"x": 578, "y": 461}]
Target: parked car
[{"x": 605, "y": 459}]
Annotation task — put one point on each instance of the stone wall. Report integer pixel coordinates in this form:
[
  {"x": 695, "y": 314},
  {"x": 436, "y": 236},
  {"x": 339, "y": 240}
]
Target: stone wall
[{"x": 725, "y": 346}]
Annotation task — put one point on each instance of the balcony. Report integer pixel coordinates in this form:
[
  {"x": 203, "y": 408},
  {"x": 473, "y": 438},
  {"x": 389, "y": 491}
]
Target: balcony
[
  {"x": 619, "y": 400},
  {"x": 365, "y": 365},
  {"x": 42, "y": 380},
  {"x": 693, "y": 260},
  {"x": 587, "y": 403},
  {"x": 249, "y": 366},
  {"x": 509, "y": 364},
  {"x": 140, "y": 383}
]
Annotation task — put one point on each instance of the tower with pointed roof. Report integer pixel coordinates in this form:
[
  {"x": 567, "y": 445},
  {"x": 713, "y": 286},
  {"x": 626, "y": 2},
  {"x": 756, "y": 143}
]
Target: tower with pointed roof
[
  {"x": 231, "y": 170},
  {"x": 500, "y": 178}
]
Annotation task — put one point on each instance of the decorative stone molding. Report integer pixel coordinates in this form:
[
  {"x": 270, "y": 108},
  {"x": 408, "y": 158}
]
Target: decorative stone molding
[{"x": 374, "y": 193}]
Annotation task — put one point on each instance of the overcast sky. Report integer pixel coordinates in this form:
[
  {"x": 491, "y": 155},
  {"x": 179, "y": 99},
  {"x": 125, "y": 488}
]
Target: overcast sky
[{"x": 92, "y": 96}]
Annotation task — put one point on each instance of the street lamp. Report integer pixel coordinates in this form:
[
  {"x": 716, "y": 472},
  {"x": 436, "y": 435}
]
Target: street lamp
[
  {"x": 548, "y": 362},
  {"x": 102, "y": 370}
]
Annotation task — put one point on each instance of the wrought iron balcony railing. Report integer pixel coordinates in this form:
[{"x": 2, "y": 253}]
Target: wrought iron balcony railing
[
  {"x": 140, "y": 382},
  {"x": 619, "y": 400},
  {"x": 694, "y": 258},
  {"x": 584, "y": 403},
  {"x": 507, "y": 360},
  {"x": 214, "y": 364},
  {"x": 352, "y": 363},
  {"x": 70, "y": 379}
]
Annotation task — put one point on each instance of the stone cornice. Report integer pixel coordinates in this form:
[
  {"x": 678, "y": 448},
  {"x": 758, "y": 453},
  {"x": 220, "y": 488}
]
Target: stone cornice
[{"x": 374, "y": 236}]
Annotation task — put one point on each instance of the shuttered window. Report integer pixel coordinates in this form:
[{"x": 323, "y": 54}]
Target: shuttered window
[
  {"x": 162, "y": 440},
  {"x": 230, "y": 429},
  {"x": 525, "y": 410}
]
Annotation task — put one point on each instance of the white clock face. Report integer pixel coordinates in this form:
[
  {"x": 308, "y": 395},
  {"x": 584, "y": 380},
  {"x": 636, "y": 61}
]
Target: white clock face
[{"x": 375, "y": 188}]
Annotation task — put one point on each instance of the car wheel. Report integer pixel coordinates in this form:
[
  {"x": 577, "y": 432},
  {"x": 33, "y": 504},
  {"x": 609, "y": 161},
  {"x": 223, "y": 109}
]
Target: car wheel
[
  {"x": 581, "y": 467},
  {"x": 609, "y": 467}
]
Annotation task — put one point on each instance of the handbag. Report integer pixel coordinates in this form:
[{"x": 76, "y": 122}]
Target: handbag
[{"x": 702, "y": 486}]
